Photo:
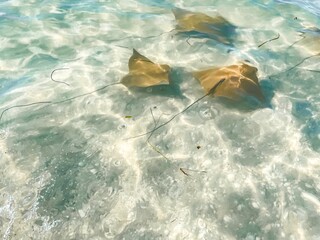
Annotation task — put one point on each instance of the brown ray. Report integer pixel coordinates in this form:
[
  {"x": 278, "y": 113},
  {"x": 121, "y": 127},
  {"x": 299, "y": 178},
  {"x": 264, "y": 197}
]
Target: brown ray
[
  {"x": 213, "y": 27},
  {"x": 145, "y": 73},
  {"x": 311, "y": 39},
  {"x": 239, "y": 82}
]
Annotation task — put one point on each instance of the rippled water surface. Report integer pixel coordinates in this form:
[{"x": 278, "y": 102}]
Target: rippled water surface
[{"x": 220, "y": 170}]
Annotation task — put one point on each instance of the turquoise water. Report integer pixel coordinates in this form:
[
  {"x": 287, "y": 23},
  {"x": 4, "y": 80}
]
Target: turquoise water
[{"x": 68, "y": 169}]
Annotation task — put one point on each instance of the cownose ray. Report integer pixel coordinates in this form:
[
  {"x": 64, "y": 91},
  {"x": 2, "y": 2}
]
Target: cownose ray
[
  {"x": 145, "y": 73},
  {"x": 240, "y": 81},
  {"x": 197, "y": 24}
]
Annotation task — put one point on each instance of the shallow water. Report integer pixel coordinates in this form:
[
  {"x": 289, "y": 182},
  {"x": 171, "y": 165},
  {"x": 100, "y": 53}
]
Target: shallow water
[{"x": 68, "y": 169}]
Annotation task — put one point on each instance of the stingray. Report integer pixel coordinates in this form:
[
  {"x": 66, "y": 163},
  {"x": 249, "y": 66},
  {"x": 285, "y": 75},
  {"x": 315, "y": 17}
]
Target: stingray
[
  {"x": 196, "y": 24},
  {"x": 310, "y": 39},
  {"x": 240, "y": 82},
  {"x": 145, "y": 73},
  {"x": 235, "y": 82},
  {"x": 142, "y": 73}
]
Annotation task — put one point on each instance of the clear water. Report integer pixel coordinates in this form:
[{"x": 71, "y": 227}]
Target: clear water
[{"x": 68, "y": 170}]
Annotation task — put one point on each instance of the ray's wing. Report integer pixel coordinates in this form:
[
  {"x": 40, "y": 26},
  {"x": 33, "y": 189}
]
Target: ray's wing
[
  {"x": 138, "y": 61},
  {"x": 145, "y": 73},
  {"x": 208, "y": 78},
  {"x": 240, "y": 81},
  {"x": 191, "y": 21},
  {"x": 217, "y": 27},
  {"x": 249, "y": 72},
  {"x": 310, "y": 39}
]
